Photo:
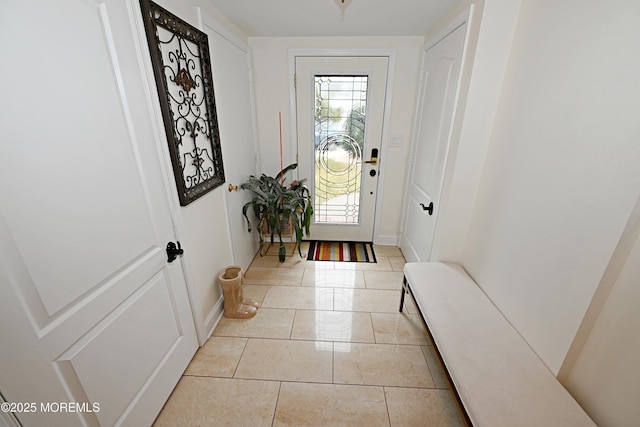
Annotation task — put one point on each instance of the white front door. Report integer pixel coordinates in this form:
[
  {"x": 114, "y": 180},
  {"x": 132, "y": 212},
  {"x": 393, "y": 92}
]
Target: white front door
[
  {"x": 97, "y": 327},
  {"x": 235, "y": 114},
  {"x": 340, "y": 113},
  {"x": 441, "y": 70}
]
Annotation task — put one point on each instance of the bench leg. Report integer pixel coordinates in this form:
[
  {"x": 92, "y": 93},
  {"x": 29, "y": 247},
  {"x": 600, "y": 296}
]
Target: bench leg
[{"x": 403, "y": 291}]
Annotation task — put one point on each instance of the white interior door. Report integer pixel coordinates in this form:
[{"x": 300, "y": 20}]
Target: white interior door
[
  {"x": 92, "y": 313},
  {"x": 230, "y": 64},
  {"x": 441, "y": 70},
  {"x": 340, "y": 113}
]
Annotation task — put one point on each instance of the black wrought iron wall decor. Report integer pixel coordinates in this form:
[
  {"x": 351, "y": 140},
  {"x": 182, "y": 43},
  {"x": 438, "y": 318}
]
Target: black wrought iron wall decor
[{"x": 182, "y": 67}]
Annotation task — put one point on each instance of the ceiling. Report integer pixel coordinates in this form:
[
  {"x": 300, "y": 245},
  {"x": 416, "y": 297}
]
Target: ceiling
[{"x": 299, "y": 18}]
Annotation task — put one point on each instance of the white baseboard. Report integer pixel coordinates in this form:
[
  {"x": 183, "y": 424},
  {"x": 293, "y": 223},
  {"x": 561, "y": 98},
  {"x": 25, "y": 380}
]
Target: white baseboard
[
  {"x": 386, "y": 240},
  {"x": 213, "y": 318}
]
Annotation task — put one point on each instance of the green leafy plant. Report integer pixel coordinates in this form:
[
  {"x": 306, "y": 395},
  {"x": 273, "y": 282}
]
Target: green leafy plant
[{"x": 277, "y": 206}]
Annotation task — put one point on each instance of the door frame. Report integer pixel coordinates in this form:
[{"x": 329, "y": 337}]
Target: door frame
[{"x": 391, "y": 54}]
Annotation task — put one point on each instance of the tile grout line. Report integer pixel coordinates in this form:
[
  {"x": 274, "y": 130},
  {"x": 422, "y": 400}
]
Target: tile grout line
[
  {"x": 293, "y": 322},
  {"x": 275, "y": 408},
  {"x": 386, "y": 404},
  {"x": 244, "y": 347}
]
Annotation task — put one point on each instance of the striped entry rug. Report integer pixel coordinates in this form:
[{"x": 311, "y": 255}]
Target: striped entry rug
[{"x": 341, "y": 251}]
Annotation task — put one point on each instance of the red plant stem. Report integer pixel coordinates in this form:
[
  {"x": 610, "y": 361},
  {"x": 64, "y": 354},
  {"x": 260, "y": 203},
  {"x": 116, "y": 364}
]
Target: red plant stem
[{"x": 281, "y": 165}]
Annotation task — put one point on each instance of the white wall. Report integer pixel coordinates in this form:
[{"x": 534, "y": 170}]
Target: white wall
[
  {"x": 273, "y": 88},
  {"x": 562, "y": 173},
  {"x": 208, "y": 250},
  {"x": 604, "y": 377}
]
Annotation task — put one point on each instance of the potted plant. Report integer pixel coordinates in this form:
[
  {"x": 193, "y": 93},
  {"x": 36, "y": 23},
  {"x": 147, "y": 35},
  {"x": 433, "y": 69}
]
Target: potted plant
[{"x": 278, "y": 207}]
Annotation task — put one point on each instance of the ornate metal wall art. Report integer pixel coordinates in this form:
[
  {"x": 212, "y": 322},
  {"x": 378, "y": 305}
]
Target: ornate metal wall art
[{"x": 182, "y": 67}]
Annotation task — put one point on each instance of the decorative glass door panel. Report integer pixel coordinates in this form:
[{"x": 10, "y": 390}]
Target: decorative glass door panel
[
  {"x": 339, "y": 117},
  {"x": 340, "y": 114}
]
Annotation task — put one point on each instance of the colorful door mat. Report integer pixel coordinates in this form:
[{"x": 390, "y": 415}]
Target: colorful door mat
[{"x": 341, "y": 251}]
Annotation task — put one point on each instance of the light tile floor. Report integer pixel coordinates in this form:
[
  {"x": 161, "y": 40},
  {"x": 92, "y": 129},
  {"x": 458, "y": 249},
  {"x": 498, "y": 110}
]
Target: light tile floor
[{"x": 328, "y": 347}]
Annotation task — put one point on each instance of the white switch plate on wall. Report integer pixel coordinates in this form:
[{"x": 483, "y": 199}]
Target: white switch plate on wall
[{"x": 396, "y": 140}]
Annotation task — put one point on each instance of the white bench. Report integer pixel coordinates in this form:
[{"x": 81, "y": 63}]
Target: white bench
[{"x": 498, "y": 378}]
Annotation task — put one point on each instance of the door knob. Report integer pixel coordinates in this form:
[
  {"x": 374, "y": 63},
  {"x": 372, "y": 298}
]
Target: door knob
[
  {"x": 173, "y": 251},
  {"x": 427, "y": 208},
  {"x": 233, "y": 187}
]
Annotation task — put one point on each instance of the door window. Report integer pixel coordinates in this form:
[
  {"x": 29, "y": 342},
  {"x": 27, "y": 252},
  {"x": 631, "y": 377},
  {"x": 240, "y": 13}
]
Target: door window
[{"x": 339, "y": 120}]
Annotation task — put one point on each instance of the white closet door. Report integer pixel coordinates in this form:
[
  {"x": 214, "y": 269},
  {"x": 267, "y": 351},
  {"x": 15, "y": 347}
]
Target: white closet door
[{"x": 92, "y": 312}]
